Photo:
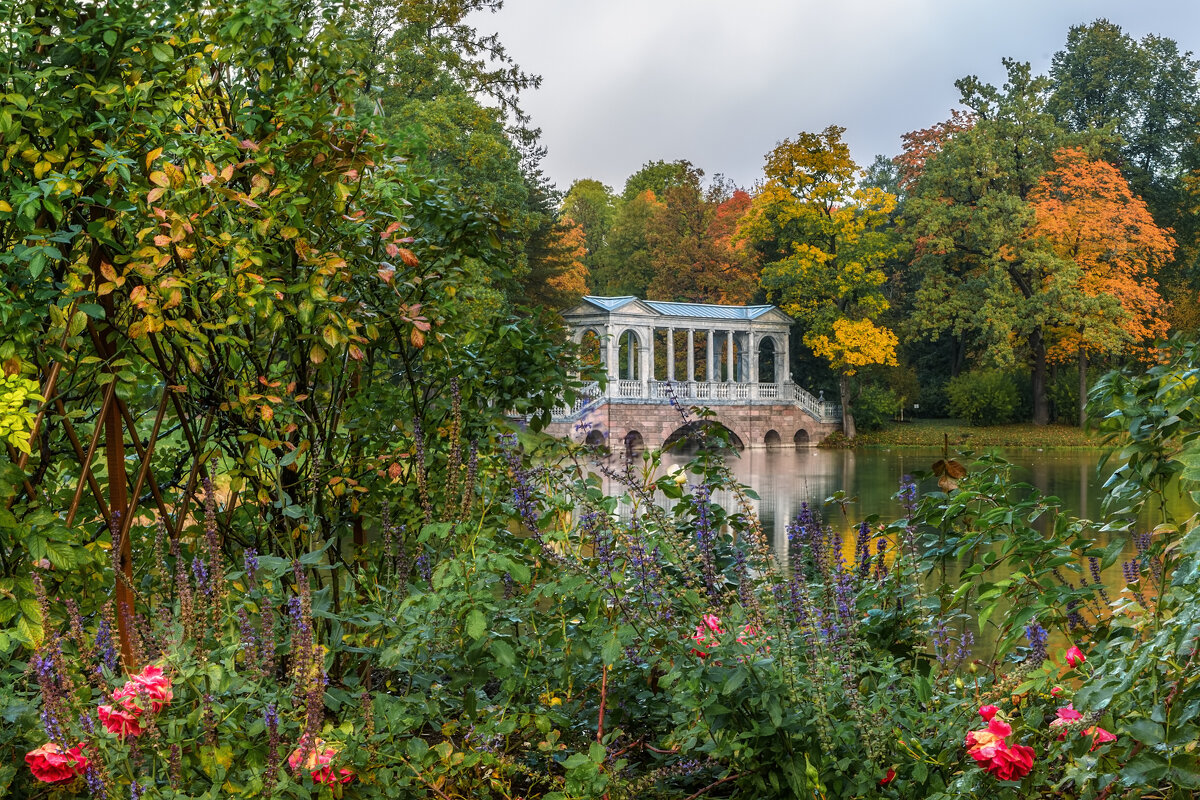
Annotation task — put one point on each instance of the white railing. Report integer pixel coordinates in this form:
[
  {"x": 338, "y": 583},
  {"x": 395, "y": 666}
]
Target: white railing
[{"x": 699, "y": 393}]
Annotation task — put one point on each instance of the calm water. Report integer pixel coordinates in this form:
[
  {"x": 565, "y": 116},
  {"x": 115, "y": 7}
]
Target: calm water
[{"x": 786, "y": 478}]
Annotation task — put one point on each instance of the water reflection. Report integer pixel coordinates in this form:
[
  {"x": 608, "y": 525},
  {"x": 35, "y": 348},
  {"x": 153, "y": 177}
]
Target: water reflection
[{"x": 786, "y": 478}]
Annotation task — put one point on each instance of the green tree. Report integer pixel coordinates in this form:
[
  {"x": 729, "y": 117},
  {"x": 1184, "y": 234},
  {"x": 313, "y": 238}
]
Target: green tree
[
  {"x": 626, "y": 266},
  {"x": 659, "y": 176},
  {"x": 591, "y": 204},
  {"x": 982, "y": 275},
  {"x": 1144, "y": 96},
  {"x": 824, "y": 240}
]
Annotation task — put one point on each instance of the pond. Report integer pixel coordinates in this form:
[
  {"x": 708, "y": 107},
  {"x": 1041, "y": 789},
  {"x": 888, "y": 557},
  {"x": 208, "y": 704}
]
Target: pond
[{"x": 786, "y": 478}]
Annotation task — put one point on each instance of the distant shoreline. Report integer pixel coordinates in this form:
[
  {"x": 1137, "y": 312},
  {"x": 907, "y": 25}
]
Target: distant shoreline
[{"x": 933, "y": 433}]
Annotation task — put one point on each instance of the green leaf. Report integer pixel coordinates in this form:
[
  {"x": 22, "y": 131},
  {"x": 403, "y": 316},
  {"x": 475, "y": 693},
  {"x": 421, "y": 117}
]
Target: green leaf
[
  {"x": 1145, "y": 731},
  {"x": 162, "y": 52},
  {"x": 476, "y": 624},
  {"x": 503, "y": 652}
]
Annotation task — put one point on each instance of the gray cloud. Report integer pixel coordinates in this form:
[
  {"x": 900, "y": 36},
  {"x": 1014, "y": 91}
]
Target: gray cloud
[{"x": 719, "y": 83}]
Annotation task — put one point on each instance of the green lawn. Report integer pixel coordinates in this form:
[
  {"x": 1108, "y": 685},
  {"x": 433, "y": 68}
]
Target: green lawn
[{"x": 931, "y": 433}]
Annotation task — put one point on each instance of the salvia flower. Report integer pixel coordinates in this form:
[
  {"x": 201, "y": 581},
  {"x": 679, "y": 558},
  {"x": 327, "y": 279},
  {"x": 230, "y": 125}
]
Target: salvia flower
[{"x": 1037, "y": 637}]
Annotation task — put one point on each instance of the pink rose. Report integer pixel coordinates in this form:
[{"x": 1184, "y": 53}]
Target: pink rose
[
  {"x": 1065, "y": 716},
  {"x": 149, "y": 690},
  {"x": 119, "y": 719},
  {"x": 990, "y": 749},
  {"x": 49, "y": 764},
  {"x": 987, "y": 712},
  {"x": 1099, "y": 736},
  {"x": 153, "y": 684},
  {"x": 1075, "y": 656},
  {"x": 319, "y": 762}
]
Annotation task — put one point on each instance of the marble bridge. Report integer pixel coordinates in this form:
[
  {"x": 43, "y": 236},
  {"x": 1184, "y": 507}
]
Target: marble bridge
[{"x": 730, "y": 359}]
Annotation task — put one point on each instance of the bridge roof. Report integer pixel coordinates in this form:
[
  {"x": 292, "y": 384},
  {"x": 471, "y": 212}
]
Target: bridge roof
[
  {"x": 671, "y": 309},
  {"x": 709, "y": 310}
]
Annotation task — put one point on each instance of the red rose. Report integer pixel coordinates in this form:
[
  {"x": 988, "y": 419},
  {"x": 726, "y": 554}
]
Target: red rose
[
  {"x": 886, "y": 779},
  {"x": 987, "y": 712},
  {"x": 1075, "y": 657},
  {"x": 49, "y": 764}
]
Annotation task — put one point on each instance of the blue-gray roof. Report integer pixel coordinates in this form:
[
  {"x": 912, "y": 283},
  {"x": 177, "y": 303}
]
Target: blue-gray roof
[
  {"x": 667, "y": 309},
  {"x": 709, "y": 310},
  {"x": 610, "y": 303}
]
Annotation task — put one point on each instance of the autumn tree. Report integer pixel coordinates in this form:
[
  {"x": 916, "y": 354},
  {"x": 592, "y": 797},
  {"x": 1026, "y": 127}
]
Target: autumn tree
[
  {"x": 1086, "y": 212},
  {"x": 982, "y": 276},
  {"x": 824, "y": 239},
  {"x": 591, "y": 204},
  {"x": 921, "y": 145},
  {"x": 693, "y": 256},
  {"x": 1143, "y": 97},
  {"x": 558, "y": 276}
]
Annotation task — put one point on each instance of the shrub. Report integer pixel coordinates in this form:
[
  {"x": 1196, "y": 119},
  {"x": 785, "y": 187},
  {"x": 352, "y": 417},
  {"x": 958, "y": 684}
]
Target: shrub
[
  {"x": 874, "y": 406},
  {"x": 985, "y": 397}
]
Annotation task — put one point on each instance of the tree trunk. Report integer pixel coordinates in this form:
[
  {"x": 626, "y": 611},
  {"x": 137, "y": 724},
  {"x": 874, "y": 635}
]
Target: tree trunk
[
  {"x": 847, "y": 412},
  {"x": 118, "y": 488},
  {"x": 1083, "y": 387},
  {"x": 1041, "y": 408}
]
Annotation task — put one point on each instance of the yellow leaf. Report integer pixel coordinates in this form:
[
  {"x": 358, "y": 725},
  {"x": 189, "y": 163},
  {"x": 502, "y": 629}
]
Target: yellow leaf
[
  {"x": 152, "y": 156},
  {"x": 5, "y": 206},
  {"x": 40, "y": 169},
  {"x": 160, "y": 179}
]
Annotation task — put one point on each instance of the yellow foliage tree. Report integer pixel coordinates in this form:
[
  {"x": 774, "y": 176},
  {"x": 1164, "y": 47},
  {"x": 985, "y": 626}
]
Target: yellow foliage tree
[{"x": 824, "y": 242}]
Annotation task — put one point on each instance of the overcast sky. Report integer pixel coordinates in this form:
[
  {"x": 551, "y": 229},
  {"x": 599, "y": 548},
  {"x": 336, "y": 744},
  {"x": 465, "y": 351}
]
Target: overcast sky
[{"x": 720, "y": 83}]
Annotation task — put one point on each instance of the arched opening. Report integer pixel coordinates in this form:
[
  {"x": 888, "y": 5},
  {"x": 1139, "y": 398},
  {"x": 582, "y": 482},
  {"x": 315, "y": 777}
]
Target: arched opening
[
  {"x": 594, "y": 438},
  {"x": 772, "y": 439},
  {"x": 629, "y": 351},
  {"x": 704, "y": 434},
  {"x": 634, "y": 443},
  {"x": 801, "y": 438},
  {"x": 591, "y": 353},
  {"x": 766, "y": 360}
]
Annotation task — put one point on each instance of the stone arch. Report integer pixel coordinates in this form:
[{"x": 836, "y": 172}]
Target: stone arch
[
  {"x": 693, "y": 436},
  {"x": 634, "y": 443},
  {"x": 629, "y": 355},
  {"x": 772, "y": 439},
  {"x": 595, "y": 438},
  {"x": 801, "y": 439},
  {"x": 768, "y": 354},
  {"x": 591, "y": 347}
]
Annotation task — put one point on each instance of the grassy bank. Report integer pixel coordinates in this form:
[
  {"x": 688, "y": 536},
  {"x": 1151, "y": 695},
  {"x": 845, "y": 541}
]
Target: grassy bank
[{"x": 931, "y": 433}]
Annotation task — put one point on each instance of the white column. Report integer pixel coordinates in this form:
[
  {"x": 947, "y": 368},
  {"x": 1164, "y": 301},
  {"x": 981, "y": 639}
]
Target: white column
[
  {"x": 646, "y": 360},
  {"x": 729, "y": 365},
  {"x": 752, "y": 350},
  {"x": 671, "y": 354},
  {"x": 629, "y": 356},
  {"x": 650, "y": 376},
  {"x": 783, "y": 365},
  {"x": 691, "y": 376},
  {"x": 708, "y": 361},
  {"x": 610, "y": 355}
]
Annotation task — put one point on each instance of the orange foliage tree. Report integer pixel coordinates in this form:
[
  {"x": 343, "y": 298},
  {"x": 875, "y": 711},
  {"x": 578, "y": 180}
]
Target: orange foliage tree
[
  {"x": 1087, "y": 214},
  {"x": 922, "y": 145}
]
